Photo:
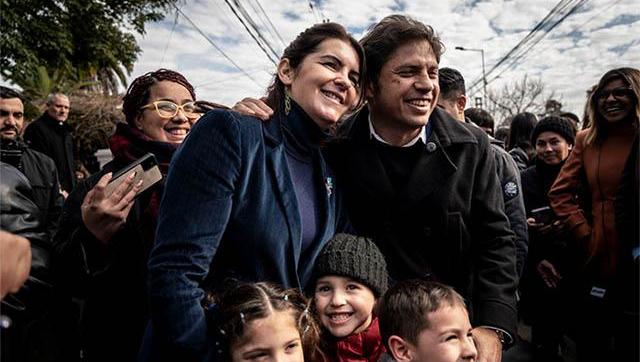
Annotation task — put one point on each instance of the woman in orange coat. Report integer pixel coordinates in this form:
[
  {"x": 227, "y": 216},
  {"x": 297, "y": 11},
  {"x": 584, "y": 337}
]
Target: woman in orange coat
[{"x": 596, "y": 163}]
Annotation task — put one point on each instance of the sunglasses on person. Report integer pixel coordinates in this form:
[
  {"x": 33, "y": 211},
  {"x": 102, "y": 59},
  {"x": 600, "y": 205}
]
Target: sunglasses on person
[
  {"x": 168, "y": 109},
  {"x": 616, "y": 93}
]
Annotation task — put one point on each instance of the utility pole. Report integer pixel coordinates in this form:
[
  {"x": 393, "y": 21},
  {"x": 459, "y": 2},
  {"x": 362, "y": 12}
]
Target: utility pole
[{"x": 484, "y": 75}]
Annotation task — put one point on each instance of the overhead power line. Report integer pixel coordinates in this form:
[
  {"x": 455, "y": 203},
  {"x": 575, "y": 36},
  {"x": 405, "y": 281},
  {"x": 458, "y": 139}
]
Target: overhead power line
[
  {"x": 271, "y": 54},
  {"x": 533, "y": 33},
  {"x": 315, "y": 10},
  {"x": 256, "y": 30},
  {"x": 522, "y": 55},
  {"x": 270, "y": 27},
  {"x": 173, "y": 28},
  {"x": 217, "y": 47},
  {"x": 518, "y": 60},
  {"x": 558, "y": 14},
  {"x": 602, "y": 11},
  {"x": 312, "y": 10}
]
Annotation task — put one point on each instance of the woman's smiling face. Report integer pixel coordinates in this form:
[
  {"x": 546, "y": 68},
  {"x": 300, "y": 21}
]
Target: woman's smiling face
[
  {"x": 166, "y": 129},
  {"x": 615, "y": 101},
  {"x": 325, "y": 84}
]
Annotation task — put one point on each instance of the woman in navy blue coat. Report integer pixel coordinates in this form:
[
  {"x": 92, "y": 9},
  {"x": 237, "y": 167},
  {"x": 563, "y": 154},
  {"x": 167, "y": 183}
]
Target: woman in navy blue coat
[{"x": 250, "y": 200}]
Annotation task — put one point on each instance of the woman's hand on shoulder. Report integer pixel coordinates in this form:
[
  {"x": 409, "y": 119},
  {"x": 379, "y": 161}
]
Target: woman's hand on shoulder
[
  {"x": 103, "y": 215},
  {"x": 254, "y": 107}
]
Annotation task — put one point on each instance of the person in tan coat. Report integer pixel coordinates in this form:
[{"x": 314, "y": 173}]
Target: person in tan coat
[{"x": 596, "y": 166}]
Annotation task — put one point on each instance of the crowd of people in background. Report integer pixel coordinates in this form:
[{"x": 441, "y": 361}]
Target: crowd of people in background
[{"x": 359, "y": 211}]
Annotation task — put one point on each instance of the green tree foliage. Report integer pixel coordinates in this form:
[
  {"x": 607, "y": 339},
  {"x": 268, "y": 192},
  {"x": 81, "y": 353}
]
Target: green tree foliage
[
  {"x": 39, "y": 84},
  {"x": 71, "y": 38}
]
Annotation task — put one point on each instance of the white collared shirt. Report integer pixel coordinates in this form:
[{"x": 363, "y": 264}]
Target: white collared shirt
[{"x": 421, "y": 136}]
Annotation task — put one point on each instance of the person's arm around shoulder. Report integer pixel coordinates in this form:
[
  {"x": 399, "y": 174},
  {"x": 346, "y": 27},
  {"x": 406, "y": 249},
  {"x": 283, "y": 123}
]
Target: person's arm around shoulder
[
  {"x": 196, "y": 207},
  {"x": 254, "y": 107},
  {"x": 562, "y": 195}
]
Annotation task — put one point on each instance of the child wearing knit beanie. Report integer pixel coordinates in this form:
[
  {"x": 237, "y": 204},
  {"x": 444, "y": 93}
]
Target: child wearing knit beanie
[{"x": 349, "y": 276}]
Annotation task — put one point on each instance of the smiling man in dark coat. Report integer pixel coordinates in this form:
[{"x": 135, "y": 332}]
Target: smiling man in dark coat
[{"x": 424, "y": 186}]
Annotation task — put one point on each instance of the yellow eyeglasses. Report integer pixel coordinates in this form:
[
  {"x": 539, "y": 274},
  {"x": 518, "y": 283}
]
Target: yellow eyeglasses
[{"x": 168, "y": 109}]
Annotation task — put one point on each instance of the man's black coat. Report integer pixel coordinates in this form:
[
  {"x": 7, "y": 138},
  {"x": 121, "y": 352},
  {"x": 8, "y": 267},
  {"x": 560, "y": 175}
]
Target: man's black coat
[
  {"x": 447, "y": 224},
  {"x": 54, "y": 139}
]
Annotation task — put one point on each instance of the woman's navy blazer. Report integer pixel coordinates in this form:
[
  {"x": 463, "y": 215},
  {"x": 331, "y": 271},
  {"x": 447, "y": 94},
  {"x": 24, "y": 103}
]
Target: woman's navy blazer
[{"x": 230, "y": 211}]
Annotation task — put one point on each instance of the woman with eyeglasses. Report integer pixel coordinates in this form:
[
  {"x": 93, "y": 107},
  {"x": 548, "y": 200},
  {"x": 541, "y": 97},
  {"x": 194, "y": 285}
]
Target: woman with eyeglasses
[
  {"x": 595, "y": 166},
  {"x": 252, "y": 200},
  {"x": 105, "y": 238}
]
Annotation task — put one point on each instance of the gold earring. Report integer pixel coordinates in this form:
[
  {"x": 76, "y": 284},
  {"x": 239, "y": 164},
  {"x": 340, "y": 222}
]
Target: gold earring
[{"x": 287, "y": 103}]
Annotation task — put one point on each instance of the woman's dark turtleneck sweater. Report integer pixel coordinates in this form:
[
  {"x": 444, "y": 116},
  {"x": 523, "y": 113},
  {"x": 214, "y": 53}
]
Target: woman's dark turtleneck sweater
[
  {"x": 548, "y": 173},
  {"x": 302, "y": 140},
  {"x": 536, "y": 183}
]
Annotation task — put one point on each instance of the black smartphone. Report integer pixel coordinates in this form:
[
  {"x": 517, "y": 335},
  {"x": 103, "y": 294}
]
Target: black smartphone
[
  {"x": 146, "y": 169},
  {"x": 543, "y": 215}
]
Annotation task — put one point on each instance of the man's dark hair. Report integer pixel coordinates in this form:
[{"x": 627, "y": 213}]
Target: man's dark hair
[
  {"x": 480, "y": 117},
  {"x": 392, "y": 32},
  {"x": 403, "y": 310},
  {"x": 520, "y": 131},
  {"x": 502, "y": 134},
  {"x": 451, "y": 83},
  {"x": 6, "y": 93}
]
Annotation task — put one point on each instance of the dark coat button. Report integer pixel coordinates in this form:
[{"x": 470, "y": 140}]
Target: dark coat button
[{"x": 431, "y": 146}]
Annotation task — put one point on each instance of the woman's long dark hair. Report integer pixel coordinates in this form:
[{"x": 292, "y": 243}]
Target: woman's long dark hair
[{"x": 306, "y": 43}]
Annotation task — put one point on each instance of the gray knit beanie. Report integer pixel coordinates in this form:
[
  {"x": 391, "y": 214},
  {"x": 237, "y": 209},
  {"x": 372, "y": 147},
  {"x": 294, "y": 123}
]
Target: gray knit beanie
[
  {"x": 555, "y": 124},
  {"x": 354, "y": 257}
]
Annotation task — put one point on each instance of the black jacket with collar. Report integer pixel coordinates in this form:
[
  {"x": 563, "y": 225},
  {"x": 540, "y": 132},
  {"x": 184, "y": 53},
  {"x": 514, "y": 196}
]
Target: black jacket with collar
[
  {"x": 511, "y": 186},
  {"x": 20, "y": 215},
  {"x": 54, "y": 139},
  {"x": 447, "y": 224},
  {"x": 43, "y": 179}
]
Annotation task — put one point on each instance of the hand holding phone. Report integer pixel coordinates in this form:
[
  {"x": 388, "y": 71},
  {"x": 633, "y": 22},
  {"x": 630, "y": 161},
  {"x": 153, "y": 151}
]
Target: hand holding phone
[
  {"x": 543, "y": 215},
  {"x": 104, "y": 214},
  {"x": 146, "y": 170},
  {"x": 106, "y": 207}
]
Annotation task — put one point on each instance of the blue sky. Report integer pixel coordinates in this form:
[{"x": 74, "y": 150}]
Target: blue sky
[{"x": 601, "y": 35}]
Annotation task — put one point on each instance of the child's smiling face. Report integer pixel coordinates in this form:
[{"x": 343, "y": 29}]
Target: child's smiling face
[
  {"x": 344, "y": 305},
  {"x": 448, "y": 338}
]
